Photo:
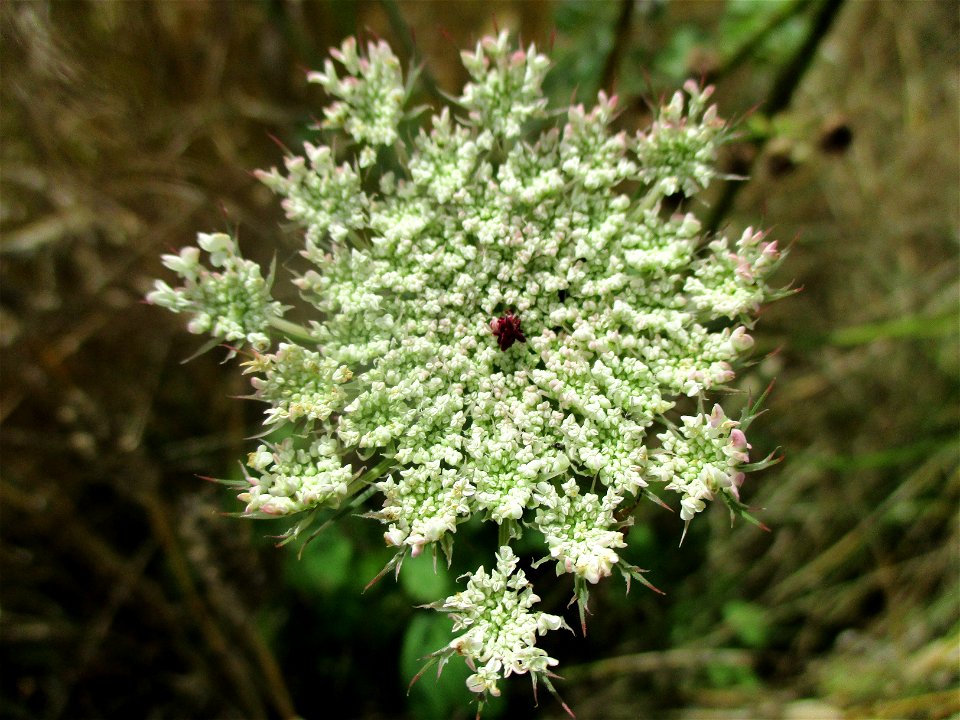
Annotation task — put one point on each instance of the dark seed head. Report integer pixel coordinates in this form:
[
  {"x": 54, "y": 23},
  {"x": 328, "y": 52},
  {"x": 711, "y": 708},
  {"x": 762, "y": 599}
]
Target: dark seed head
[{"x": 836, "y": 136}]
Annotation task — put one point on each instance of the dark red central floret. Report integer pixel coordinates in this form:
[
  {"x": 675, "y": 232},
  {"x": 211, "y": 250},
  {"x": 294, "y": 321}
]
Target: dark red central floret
[{"x": 507, "y": 329}]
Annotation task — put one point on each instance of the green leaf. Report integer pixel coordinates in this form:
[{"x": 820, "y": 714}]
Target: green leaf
[
  {"x": 749, "y": 622},
  {"x": 419, "y": 580},
  {"x": 432, "y": 698},
  {"x": 907, "y": 328},
  {"x": 324, "y": 566},
  {"x": 728, "y": 676}
]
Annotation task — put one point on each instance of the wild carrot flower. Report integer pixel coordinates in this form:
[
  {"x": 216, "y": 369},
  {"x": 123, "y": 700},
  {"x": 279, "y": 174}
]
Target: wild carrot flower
[{"x": 503, "y": 312}]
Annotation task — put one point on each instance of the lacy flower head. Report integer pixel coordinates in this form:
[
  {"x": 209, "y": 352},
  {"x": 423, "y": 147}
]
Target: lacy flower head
[{"x": 507, "y": 323}]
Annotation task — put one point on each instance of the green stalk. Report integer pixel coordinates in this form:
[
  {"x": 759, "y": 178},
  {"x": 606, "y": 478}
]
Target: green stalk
[{"x": 292, "y": 330}]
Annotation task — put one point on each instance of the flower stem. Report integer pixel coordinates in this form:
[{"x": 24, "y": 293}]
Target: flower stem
[
  {"x": 291, "y": 329},
  {"x": 375, "y": 472}
]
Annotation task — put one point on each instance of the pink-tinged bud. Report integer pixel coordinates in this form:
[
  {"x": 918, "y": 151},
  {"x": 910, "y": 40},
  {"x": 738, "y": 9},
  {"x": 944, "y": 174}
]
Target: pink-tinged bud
[
  {"x": 750, "y": 238},
  {"x": 394, "y": 537},
  {"x": 518, "y": 58},
  {"x": 769, "y": 251},
  {"x": 717, "y": 416},
  {"x": 737, "y": 449},
  {"x": 604, "y": 102},
  {"x": 744, "y": 270},
  {"x": 692, "y": 87},
  {"x": 734, "y": 489},
  {"x": 739, "y": 440},
  {"x": 294, "y": 163},
  {"x": 740, "y": 340},
  {"x": 725, "y": 374}
]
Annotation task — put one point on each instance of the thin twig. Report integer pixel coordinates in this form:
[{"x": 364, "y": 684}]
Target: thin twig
[
  {"x": 58, "y": 521},
  {"x": 748, "y": 48},
  {"x": 96, "y": 631},
  {"x": 648, "y": 662},
  {"x": 405, "y": 35},
  {"x": 621, "y": 37},
  {"x": 240, "y": 676},
  {"x": 941, "y": 704},
  {"x": 781, "y": 93}
]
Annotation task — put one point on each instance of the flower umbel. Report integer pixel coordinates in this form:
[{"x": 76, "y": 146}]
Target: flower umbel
[
  {"x": 500, "y": 629},
  {"x": 231, "y": 304},
  {"x": 501, "y": 315}
]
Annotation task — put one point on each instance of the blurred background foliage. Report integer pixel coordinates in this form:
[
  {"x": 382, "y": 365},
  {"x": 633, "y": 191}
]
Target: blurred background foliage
[{"x": 127, "y": 127}]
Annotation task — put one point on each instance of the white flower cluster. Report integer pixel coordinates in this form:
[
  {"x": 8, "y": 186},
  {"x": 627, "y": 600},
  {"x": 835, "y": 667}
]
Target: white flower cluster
[
  {"x": 503, "y": 310},
  {"x": 371, "y": 94},
  {"x": 294, "y": 479},
  {"x": 701, "y": 458},
  {"x": 323, "y": 197},
  {"x": 233, "y": 304},
  {"x": 731, "y": 283},
  {"x": 426, "y": 504},
  {"x": 299, "y": 384},
  {"x": 501, "y": 631},
  {"x": 678, "y": 152},
  {"x": 505, "y": 92},
  {"x": 580, "y": 529}
]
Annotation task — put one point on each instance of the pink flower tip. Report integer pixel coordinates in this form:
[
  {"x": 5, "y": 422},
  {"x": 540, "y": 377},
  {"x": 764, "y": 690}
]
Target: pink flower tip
[
  {"x": 717, "y": 416},
  {"x": 739, "y": 440}
]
